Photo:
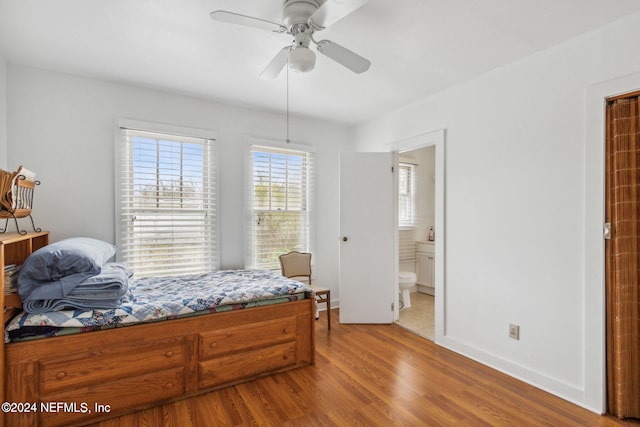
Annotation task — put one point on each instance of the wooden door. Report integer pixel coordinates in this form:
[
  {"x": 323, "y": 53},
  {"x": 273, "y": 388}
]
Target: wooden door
[{"x": 622, "y": 254}]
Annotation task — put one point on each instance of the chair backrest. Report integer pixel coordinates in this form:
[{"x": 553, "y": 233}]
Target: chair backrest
[{"x": 296, "y": 264}]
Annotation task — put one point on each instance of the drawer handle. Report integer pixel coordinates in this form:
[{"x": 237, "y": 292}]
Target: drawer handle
[
  {"x": 169, "y": 385},
  {"x": 213, "y": 344},
  {"x": 285, "y": 356},
  {"x": 285, "y": 331},
  {"x": 61, "y": 375},
  {"x": 169, "y": 353}
]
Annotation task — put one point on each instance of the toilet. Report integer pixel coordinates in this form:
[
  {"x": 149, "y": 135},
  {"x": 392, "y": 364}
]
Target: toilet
[{"x": 406, "y": 280}]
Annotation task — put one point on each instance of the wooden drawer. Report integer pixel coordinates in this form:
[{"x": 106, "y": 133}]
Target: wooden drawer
[
  {"x": 245, "y": 337},
  {"x": 234, "y": 367},
  {"x": 114, "y": 397},
  {"x": 110, "y": 364}
]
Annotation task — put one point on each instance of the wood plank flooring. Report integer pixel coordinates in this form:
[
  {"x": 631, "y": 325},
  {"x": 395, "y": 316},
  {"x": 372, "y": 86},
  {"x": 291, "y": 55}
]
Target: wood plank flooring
[{"x": 374, "y": 375}]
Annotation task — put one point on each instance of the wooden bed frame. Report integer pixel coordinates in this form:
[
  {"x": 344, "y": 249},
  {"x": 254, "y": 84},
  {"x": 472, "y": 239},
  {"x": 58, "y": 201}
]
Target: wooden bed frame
[{"x": 82, "y": 378}]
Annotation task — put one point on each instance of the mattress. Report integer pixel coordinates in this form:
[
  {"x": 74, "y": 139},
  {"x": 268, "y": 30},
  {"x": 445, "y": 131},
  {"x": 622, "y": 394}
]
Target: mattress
[{"x": 162, "y": 298}]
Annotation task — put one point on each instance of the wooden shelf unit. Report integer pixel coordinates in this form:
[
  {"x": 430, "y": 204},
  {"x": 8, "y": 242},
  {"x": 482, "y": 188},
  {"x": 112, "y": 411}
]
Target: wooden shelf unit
[{"x": 14, "y": 249}]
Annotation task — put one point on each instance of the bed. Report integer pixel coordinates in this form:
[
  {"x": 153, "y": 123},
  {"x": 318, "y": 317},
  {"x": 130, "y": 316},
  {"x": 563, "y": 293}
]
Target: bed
[{"x": 140, "y": 353}]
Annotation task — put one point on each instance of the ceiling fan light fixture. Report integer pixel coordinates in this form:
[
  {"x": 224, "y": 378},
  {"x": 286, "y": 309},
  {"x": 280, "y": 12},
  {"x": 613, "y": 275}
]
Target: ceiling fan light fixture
[
  {"x": 302, "y": 19},
  {"x": 302, "y": 59}
]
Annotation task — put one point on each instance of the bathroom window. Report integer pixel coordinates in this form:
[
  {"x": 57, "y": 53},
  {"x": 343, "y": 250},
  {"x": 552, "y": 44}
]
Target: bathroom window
[{"x": 406, "y": 195}]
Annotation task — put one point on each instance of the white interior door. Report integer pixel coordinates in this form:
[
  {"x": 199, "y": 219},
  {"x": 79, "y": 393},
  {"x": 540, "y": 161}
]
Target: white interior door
[{"x": 367, "y": 218}]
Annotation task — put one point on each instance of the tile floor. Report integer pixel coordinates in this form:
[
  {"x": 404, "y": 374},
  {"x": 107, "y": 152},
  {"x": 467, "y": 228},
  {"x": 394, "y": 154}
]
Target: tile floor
[{"x": 419, "y": 317}]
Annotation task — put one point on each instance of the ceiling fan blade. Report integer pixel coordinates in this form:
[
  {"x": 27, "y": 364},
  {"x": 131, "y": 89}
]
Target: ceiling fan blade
[
  {"x": 248, "y": 21},
  {"x": 334, "y": 10},
  {"x": 343, "y": 56},
  {"x": 276, "y": 65}
]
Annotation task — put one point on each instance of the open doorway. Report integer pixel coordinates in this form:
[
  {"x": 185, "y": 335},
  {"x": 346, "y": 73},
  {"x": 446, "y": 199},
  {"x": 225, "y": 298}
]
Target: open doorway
[
  {"x": 416, "y": 240},
  {"x": 429, "y": 255}
]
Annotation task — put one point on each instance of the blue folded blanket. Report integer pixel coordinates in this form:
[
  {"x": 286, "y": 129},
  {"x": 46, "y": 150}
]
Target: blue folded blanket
[
  {"x": 61, "y": 266},
  {"x": 104, "y": 290}
]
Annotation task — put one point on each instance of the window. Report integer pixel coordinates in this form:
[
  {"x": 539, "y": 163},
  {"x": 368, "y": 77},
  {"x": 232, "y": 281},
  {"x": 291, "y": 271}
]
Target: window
[
  {"x": 167, "y": 218},
  {"x": 280, "y": 204},
  {"x": 407, "y": 195}
]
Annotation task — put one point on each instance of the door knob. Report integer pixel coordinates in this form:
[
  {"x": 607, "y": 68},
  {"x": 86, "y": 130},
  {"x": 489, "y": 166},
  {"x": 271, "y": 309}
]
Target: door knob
[{"x": 344, "y": 238}]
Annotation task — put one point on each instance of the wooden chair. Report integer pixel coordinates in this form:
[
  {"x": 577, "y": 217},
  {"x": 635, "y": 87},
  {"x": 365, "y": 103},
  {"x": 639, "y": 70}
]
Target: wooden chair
[
  {"x": 17, "y": 202},
  {"x": 298, "y": 264}
]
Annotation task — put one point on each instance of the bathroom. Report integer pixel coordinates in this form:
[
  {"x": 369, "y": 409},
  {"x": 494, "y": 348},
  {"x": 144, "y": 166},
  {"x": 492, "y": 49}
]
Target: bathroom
[{"x": 416, "y": 213}]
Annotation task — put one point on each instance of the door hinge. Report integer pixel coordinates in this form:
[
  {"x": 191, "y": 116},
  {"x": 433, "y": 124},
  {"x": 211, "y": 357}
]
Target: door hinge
[
  {"x": 392, "y": 306},
  {"x": 606, "y": 231},
  {"x": 392, "y": 169}
]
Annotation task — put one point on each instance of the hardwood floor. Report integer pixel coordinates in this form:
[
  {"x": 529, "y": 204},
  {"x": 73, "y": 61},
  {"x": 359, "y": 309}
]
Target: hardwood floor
[{"x": 375, "y": 375}]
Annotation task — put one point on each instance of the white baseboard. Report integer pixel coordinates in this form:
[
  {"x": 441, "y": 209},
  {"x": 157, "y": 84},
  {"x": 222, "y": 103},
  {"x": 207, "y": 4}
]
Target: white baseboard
[
  {"x": 429, "y": 290},
  {"x": 551, "y": 385}
]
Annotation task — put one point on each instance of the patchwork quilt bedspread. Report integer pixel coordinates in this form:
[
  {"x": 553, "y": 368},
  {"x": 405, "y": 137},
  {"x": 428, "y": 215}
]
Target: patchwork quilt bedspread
[{"x": 159, "y": 298}]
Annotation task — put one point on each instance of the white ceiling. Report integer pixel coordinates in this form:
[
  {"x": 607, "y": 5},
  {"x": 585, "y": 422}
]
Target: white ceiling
[{"x": 417, "y": 47}]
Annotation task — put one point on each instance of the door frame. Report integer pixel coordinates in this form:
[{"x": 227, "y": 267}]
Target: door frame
[
  {"x": 437, "y": 140},
  {"x": 595, "y": 383}
]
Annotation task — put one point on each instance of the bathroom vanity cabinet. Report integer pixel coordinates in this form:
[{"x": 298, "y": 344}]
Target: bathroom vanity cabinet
[{"x": 425, "y": 266}]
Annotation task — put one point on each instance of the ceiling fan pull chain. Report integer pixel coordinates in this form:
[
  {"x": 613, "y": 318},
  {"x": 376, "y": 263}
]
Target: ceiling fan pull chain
[{"x": 288, "y": 141}]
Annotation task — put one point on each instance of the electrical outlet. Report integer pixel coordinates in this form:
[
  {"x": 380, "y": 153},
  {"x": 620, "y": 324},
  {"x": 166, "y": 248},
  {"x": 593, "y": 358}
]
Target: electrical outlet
[{"x": 514, "y": 331}]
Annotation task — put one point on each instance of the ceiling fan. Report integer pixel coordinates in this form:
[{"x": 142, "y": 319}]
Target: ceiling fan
[{"x": 302, "y": 19}]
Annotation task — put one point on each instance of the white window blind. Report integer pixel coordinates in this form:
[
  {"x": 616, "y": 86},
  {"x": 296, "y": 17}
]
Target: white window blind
[
  {"x": 167, "y": 204},
  {"x": 280, "y": 200},
  {"x": 406, "y": 195}
]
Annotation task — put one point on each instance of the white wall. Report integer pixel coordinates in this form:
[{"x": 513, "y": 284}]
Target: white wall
[
  {"x": 3, "y": 114},
  {"x": 62, "y": 127},
  {"x": 515, "y": 209},
  {"x": 427, "y": 191}
]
